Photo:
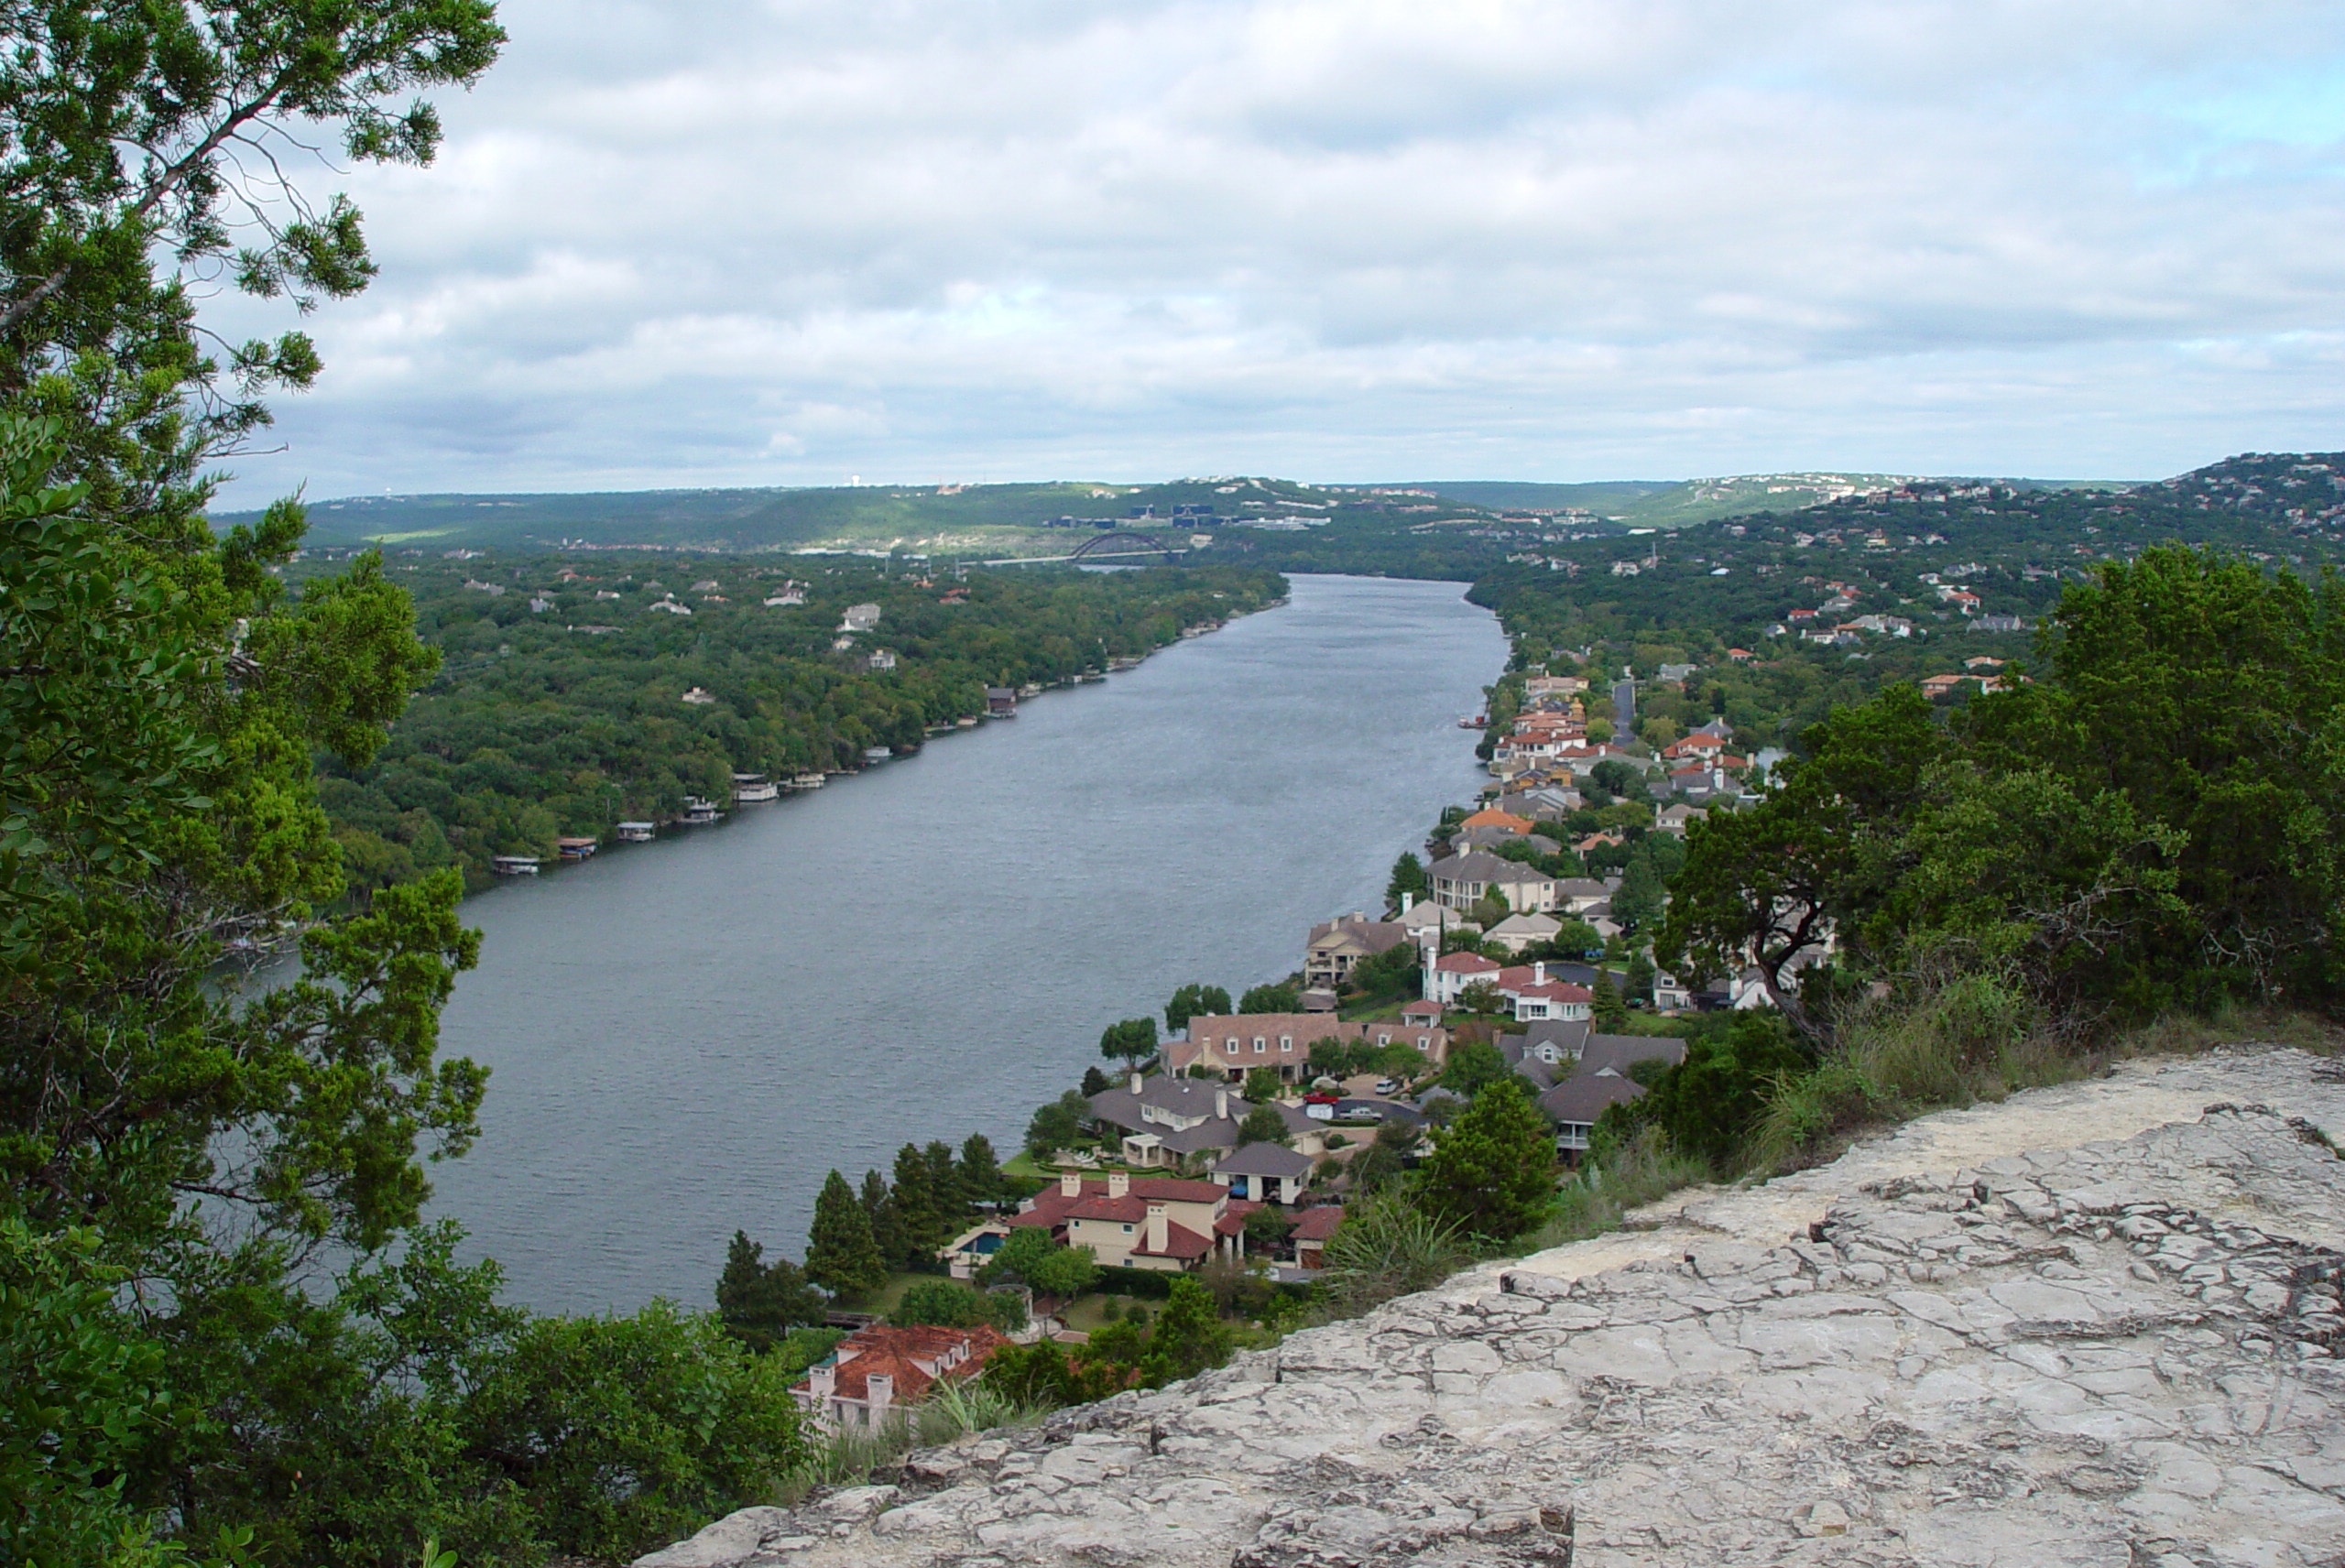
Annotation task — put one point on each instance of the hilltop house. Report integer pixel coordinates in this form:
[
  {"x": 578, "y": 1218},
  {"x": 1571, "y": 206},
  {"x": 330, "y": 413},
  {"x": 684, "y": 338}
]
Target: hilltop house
[{"x": 860, "y": 618}]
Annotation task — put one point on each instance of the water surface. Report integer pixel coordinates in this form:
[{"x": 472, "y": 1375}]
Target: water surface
[{"x": 685, "y": 1036}]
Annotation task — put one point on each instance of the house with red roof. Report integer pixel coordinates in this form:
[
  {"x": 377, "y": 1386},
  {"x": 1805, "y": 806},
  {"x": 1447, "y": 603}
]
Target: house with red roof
[
  {"x": 1451, "y": 973},
  {"x": 1158, "y": 1222},
  {"x": 876, "y": 1373},
  {"x": 1312, "y": 1229}
]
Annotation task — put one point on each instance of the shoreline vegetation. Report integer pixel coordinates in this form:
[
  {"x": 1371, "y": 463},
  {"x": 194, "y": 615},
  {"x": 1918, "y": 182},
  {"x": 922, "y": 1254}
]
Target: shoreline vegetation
[
  {"x": 231, "y": 1337},
  {"x": 576, "y": 691}
]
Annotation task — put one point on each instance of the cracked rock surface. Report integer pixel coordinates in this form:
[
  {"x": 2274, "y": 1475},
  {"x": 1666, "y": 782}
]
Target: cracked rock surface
[{"x": 2108, "y": 1335}]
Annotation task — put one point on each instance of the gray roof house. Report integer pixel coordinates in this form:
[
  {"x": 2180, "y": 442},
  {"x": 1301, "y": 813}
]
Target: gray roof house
[
  {"x": 1461, "y": 881},
  {"x": 1266, "y": 1172},
  {"x": 1170, "y": 1121}
]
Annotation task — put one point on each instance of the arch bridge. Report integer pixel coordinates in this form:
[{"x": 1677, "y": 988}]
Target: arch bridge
[{"x": 1131, "y": 542}]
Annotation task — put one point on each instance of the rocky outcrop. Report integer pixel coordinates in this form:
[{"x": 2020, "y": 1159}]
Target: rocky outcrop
[{"x": 2098, "y": 1326}]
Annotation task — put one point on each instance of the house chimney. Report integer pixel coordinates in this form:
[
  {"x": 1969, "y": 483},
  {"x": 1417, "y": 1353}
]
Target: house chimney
[
  {"x": 1159, "y": 1228},
  {"x": 1119, "y": 1183},
  {"x": 1070, "y": 1183},
  {"x": 880, "y": 1390},
  {"x": 1407, "y": 900},
  {"x": 823, "y": 1380},
  {"x": 1221, "y": 1105},
  {"x": 1539, "y": 973},
  {"x": 1135, "y": 1080}
]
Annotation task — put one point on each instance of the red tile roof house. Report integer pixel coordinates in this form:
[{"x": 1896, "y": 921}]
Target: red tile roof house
[
  {"x": 1312, "y": 1229},
  {"x": 1141, "y": 1222},
  {"x": 1231, "y": 1045},
  {"x": 1451, "y": 973},
  {"x": 1537, "y": 997},
  {"x": 878, "y": 1371}
]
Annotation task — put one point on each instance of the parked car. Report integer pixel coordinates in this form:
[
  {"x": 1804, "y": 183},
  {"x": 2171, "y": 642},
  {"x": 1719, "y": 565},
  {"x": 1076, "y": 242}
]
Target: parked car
[{"x": 1387, "y": 1086}]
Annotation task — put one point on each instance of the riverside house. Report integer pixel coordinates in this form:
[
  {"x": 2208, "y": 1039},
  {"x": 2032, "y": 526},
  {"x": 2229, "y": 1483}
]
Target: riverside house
[
  {"x": 1463, "y": 880},
  {"x": 1337, "y": 946},
  {"x": 1176, "y": 1123},
  {"x": 1141, "y": 1222},
  {"x": 1231, "y": 1045}
]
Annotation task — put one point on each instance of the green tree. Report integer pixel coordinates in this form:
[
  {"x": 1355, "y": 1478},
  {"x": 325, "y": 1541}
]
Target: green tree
[
  {"x": 1492, "y": 1173},
  {"x": 1407, "y": 877},
  {"x": 1392, "y": 973},
  {"x": 953, "y": 1201},
  {"x": 1189, "y": 1335},
  {"x": 945, "y": 1302},
  {"x": 1194, "y": 1002},
  {"x": 1133, "y": 1039},
  {"x": 758, "y": 1302},
  {"x": 1095, "y": 1082},
  {"x": 1056, "y": 1125},
  {"x": 1472, "y": 1065},
  {"x": 1638, "y": 984},
  {"x": 1280, "y": 998},
  {"x": 1028, "y": 1257},
  {"x": 1484, "y": 997},
  {"x": 1263, "y": 1124},
  {"x": 979, "y": 1171},
  {"x": 1707, "y": 1103},
  {"x": 841, "y": 1254},
  {"x": 662, "y": 1398},
  {"x": 82, "y": 1400},
  {"x": 1607, "y": 1011},
  {"x": 920, "y": 1218},
  {"x": 1262, "y": 1085},
  {"x": 879, "y": 1213}
]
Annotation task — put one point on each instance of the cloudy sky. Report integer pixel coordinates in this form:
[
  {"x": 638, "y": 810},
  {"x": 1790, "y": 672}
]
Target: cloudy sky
[{"x": 701, "y": 242}]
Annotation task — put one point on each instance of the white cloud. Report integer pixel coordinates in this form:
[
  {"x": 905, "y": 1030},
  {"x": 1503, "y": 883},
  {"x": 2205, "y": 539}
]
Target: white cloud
[{"x": 781, "y": 243}]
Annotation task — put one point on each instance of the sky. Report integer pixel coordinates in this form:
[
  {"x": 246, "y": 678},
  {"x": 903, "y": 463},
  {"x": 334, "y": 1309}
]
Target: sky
[{"x": 674, "y": 244}]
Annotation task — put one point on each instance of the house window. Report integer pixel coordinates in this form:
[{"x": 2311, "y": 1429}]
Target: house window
[
  {"x": 1385, "y": 1038},
  {"x": 1259, "y": 1046},
  {"x": 1127, "y": 1230},
  {"x": 1286, "y": 1042}
]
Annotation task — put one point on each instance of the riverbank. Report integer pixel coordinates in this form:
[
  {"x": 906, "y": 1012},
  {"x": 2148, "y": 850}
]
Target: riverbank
[{"x": 683, "y": 1043}]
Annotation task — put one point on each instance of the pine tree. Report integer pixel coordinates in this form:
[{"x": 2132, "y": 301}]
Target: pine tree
[
  {"x": 1607, "y": 1010},
  {"x": 945, "y": 1184},
  {"x": 980, "y": 1170},
  {"x": 1189, "y": 1338},
  {"x": 758, "y": 1302},
  {"x": 920, "y": 1221},
  {"x": 1492, "y": 1174},
  {"x": 880, "y": 1212},
  {"x": 841, "y": 1254}
]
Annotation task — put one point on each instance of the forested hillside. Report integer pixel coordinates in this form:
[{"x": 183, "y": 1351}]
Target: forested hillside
[{"x": 574, "y": 693}]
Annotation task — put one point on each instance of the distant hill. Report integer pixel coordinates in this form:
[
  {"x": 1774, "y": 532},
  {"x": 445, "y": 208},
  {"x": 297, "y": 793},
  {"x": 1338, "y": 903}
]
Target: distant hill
[
  {"x": 1013, "y": 520},
  {"x": 1674, "y": 503}
]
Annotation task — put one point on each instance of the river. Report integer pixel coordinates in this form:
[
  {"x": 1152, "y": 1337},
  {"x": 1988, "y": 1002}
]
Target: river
[{"x": 685, "y": 1036}]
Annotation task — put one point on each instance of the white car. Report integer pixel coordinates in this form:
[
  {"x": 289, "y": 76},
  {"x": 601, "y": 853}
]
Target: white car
[{"x": 1385, "y": 1086}]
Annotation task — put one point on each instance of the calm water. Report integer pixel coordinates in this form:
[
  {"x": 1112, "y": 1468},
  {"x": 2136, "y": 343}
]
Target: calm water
[{"x": 685, "y": 1036}]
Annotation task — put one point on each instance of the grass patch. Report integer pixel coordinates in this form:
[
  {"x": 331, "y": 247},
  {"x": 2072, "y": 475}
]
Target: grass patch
[{"x": 1600, "y": 1195}]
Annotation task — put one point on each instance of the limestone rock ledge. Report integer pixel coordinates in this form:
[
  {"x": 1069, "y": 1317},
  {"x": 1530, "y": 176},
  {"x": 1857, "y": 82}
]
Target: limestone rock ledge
[{"x": 2113, "y": 1345}]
